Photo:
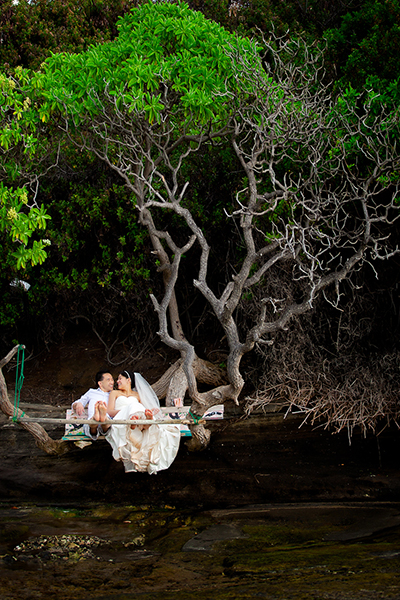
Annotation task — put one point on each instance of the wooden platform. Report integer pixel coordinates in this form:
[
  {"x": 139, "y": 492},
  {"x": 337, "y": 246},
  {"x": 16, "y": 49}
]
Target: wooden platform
[{"x": 172, "y": 415}]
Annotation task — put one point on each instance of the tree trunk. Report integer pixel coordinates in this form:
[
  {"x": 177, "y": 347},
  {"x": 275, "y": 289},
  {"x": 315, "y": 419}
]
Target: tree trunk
[{"x": 173, "y": 383}]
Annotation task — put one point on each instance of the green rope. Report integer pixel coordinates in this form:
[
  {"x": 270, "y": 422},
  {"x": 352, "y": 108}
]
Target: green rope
[
  {"x": 19, "y": 380},
  {"x": 195, "y": 419}
]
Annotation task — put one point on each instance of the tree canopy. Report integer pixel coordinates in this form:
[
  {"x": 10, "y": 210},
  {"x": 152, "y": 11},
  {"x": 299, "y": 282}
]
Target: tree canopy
[
  {"x": 32, "y": 29},
  {"x": 365, "y": 47},
  {"x": 166, "y": 48}
]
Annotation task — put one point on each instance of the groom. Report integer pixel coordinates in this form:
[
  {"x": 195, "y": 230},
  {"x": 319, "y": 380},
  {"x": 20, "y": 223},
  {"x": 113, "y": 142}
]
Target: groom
[{"x": 96, "y": 401}]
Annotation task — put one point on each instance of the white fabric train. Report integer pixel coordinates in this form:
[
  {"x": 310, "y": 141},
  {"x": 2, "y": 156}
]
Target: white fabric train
[{"x": 144, "y": 449}]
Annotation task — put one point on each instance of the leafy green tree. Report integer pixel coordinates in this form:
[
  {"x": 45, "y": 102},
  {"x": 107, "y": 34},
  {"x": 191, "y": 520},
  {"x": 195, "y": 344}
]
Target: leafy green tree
[
  {"x": 32, "y": 29},
  {"x": 20, "y": 215},
  {"x": 365, "y": 47},
  {"x": 296, "y": 16}
]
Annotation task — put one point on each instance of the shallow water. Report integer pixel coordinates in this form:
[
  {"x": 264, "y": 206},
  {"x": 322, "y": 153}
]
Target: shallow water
[{"x": 347, "y": 550}]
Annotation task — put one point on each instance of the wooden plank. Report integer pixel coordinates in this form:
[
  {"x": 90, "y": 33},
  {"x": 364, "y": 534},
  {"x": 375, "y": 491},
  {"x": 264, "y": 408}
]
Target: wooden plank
[
  {"x": 43, "y": 407},
  {"x": 108, "y": 422}
]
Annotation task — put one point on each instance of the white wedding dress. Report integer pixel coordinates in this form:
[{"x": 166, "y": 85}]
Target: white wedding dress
[{"x": 150, "y": 450}]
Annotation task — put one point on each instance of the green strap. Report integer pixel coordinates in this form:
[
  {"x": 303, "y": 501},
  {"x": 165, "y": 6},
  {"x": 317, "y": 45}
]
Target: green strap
[
  {"x": 19, "y": 380},
  {"x": 195, "y": 419}
]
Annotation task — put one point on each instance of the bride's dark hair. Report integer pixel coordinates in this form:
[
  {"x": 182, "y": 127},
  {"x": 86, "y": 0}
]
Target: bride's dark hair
[{"x": 130, "y": 376}]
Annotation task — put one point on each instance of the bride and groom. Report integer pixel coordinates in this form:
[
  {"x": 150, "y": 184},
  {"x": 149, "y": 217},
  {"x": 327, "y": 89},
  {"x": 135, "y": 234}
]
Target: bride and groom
[{"x": 143, "y": 448}]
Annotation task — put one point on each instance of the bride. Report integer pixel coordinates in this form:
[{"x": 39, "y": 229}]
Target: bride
[{"x": 144, "y": 448}]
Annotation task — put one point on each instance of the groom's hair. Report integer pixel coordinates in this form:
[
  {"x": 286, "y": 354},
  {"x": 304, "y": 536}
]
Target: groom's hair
[{"x": 100, "y": 375}]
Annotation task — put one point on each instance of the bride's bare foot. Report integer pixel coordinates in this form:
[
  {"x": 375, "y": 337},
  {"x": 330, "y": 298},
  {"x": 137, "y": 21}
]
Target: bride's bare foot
[
  {"x": 149, "y": 415},
  {"x": 133, "y": 418}
]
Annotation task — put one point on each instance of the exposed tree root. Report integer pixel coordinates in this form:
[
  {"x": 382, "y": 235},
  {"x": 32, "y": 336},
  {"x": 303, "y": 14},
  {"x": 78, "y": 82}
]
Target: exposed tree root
[{"x": 344, "y": 391}]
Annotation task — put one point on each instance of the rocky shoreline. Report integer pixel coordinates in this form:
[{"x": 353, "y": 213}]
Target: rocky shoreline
[{"x": 265, "y": 458}]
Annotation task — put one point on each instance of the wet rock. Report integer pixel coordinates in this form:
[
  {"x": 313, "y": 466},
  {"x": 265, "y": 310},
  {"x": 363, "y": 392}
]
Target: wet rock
[
  {"x": 66, "y": 547},
  {"x": 371, "y": 525},
  {"x": 205, "y": 540},
  {"x": 265, "y": 459}
]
